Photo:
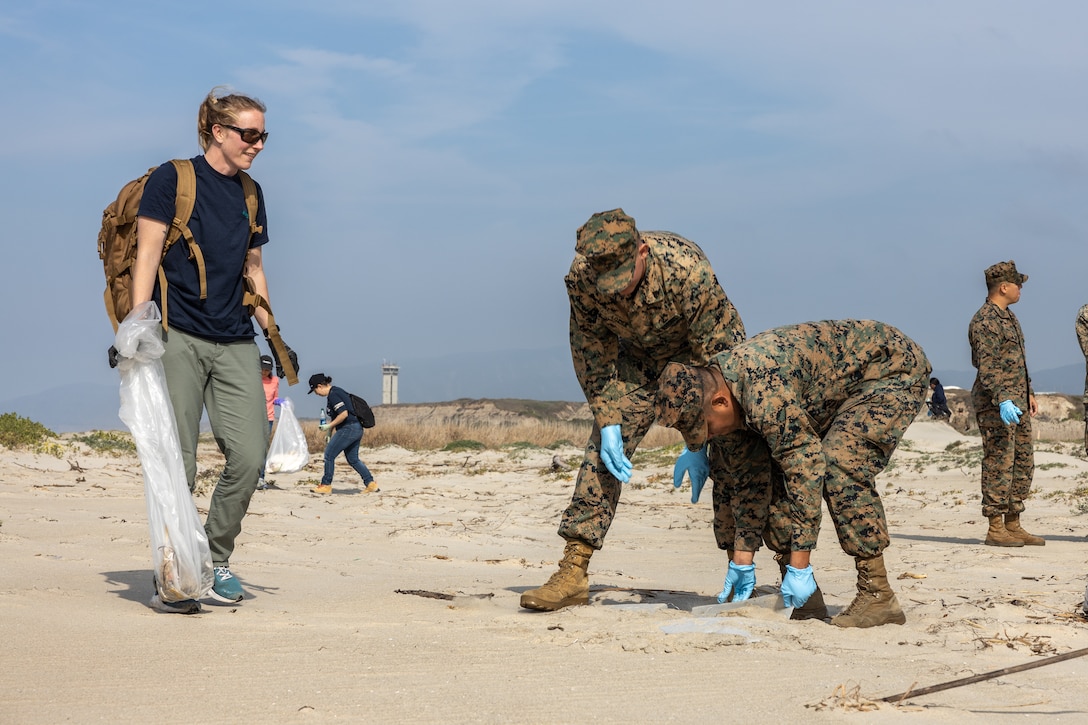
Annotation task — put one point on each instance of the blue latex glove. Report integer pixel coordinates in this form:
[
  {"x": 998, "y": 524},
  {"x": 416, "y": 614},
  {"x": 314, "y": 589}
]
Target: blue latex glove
[
  {"x": 612, "y": 453},
  {"x": 697, "y": 466},
  {"x": 1010, "y": 413},
  {"x": 277, "y": 401},
  {"x": 741, "y": 580},
  {"x": 797, "y": 586}
]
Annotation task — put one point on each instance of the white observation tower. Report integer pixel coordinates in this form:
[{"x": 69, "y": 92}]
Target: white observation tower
[{"x": 389, "y": 383}]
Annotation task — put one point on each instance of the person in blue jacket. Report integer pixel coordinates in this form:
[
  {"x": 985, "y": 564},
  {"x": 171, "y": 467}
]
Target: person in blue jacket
[
  {"x": 347, "y": 432},
  {"x": 938, "y": 403}
]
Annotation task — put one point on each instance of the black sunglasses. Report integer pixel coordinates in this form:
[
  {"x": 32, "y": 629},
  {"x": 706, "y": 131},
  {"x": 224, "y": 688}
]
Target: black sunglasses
[{"x": 249, "y": 135}]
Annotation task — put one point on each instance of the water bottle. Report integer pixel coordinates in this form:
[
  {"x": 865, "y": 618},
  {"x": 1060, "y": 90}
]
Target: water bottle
[{"x": 323, "y": 418}]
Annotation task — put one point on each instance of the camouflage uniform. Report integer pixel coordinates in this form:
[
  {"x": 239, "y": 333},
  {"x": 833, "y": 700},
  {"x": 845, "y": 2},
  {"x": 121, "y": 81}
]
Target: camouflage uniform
[
  {"x": 1082, "y": 338},
  {"x": 831, "y": 400},
  {"x": 620, "y": 345},
  {"x": 749, "y": 495},
  {"x": 997, "y": 351}
]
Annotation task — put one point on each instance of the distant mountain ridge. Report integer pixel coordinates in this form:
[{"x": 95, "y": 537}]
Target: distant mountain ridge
[{"x": 545, "y": 375}]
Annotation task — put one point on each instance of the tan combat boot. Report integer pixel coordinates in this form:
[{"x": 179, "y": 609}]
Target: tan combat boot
[
  {"x": 569, "y": 585},
  {"x": 1012, "y": 526},
  {"x": 814, "y": 608},
  {"x": 875, "y": 603},
  {"x": 997, "y": 535}
]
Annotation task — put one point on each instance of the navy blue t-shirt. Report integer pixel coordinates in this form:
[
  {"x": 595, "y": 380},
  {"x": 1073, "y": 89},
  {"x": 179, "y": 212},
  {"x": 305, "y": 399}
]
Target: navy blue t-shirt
[
  {"x": 339, "y": 401},
  {"x": 220, "y": 225}
]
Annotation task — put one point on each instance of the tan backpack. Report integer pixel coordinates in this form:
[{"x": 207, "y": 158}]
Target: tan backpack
[{"x": 117, "y": 250}]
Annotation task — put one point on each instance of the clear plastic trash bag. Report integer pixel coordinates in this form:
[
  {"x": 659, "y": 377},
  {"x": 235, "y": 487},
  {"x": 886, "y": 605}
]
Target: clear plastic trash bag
[
  {"x": 179, "y": 545},
  {"x": 288, "y": 451}
]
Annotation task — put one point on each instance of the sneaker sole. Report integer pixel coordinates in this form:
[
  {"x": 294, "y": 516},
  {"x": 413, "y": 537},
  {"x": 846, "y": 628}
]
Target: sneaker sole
[{"x": 220, "y": 598}]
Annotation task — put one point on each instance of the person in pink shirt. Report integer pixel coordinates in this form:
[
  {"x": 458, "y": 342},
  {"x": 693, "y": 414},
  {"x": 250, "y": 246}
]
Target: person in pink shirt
[{"x": 271, "y": 385}]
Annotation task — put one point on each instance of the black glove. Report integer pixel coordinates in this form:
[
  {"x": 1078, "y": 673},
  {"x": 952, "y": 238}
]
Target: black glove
[
  {"x": 114, "y": 356},
  {"x": 291, "y": 356}
]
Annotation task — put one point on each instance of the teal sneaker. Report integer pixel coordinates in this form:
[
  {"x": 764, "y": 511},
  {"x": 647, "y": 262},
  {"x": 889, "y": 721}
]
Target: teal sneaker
[{"x": 226, "y": 588}]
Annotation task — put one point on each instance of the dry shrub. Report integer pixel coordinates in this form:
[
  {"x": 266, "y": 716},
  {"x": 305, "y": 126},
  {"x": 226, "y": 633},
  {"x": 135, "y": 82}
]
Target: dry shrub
[
  {"x": 425, "y": 436},
  {"x": 847, "y": 699}
]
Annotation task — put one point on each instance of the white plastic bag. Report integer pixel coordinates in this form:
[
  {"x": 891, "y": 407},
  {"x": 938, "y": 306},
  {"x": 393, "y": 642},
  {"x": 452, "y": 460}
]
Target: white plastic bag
[
  {"x": 288, "y": 451},
  {"x": 179, "y": 545}
]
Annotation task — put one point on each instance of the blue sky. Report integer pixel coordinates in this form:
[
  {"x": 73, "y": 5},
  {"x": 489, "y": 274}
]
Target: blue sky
[{"x": 430, "y": 161}]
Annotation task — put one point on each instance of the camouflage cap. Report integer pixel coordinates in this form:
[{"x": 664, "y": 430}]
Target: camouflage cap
[
  {"x": 1004, "y": 272},
  {"x": 679, "y": 403},
  {"x": 609, "y": 241}
]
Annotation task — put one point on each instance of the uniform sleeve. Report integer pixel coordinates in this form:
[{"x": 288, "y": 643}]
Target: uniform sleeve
[
  {"x": 594, "y": 350},
  {"x": 715, "y": 324},
  {"x": 986, "y": 342},
  {"x": 741, "y": 463},
  {"x": 774, "y": 409},
  {"x": 1027, "y": 375},
  {"x": 797, "y": 448},
  {"x": 1082, "y": 329}
]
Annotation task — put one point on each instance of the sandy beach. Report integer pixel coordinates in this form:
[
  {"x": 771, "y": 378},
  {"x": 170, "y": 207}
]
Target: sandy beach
[{"x": 402, "y": 606}]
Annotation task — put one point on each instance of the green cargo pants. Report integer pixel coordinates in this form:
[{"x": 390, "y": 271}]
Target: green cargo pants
[{"x": 225, "y": 379}]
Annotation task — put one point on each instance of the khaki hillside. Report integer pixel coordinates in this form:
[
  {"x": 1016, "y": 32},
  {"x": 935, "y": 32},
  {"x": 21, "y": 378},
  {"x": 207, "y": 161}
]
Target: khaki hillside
[{"x": 1061, "y": 417}]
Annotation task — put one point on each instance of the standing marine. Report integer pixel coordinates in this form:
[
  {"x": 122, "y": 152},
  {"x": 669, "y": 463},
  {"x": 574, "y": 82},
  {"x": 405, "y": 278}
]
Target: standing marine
[
  {"x": 1001, "y": 394},
  {"x": 1082, "y": 338}
]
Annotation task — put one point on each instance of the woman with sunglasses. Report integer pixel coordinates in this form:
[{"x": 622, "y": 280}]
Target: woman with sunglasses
[{"x": 210, "y": 352}]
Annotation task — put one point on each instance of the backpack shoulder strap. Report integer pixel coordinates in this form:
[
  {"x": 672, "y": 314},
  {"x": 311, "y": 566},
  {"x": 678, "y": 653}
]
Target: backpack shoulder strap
[
  {"x": 186, "y": 197},
  {"x": 249, "y": 186},
  {"x": 184, "y": 203}
]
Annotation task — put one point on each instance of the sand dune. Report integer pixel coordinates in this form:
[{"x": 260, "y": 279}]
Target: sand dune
[{"x": 402, "y": 606}]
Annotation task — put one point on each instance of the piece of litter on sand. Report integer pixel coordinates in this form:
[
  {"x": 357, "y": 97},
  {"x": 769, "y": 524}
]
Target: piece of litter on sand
[
  {"x": 705, "y": 625},
  {"x": 656, "y": 607},
  {"x": 769, "y": 604}
]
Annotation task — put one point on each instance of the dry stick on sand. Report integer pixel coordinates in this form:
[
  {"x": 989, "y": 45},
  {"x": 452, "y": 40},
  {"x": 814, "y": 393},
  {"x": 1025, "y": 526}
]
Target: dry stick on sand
[{"x": 985, "y": 676}]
